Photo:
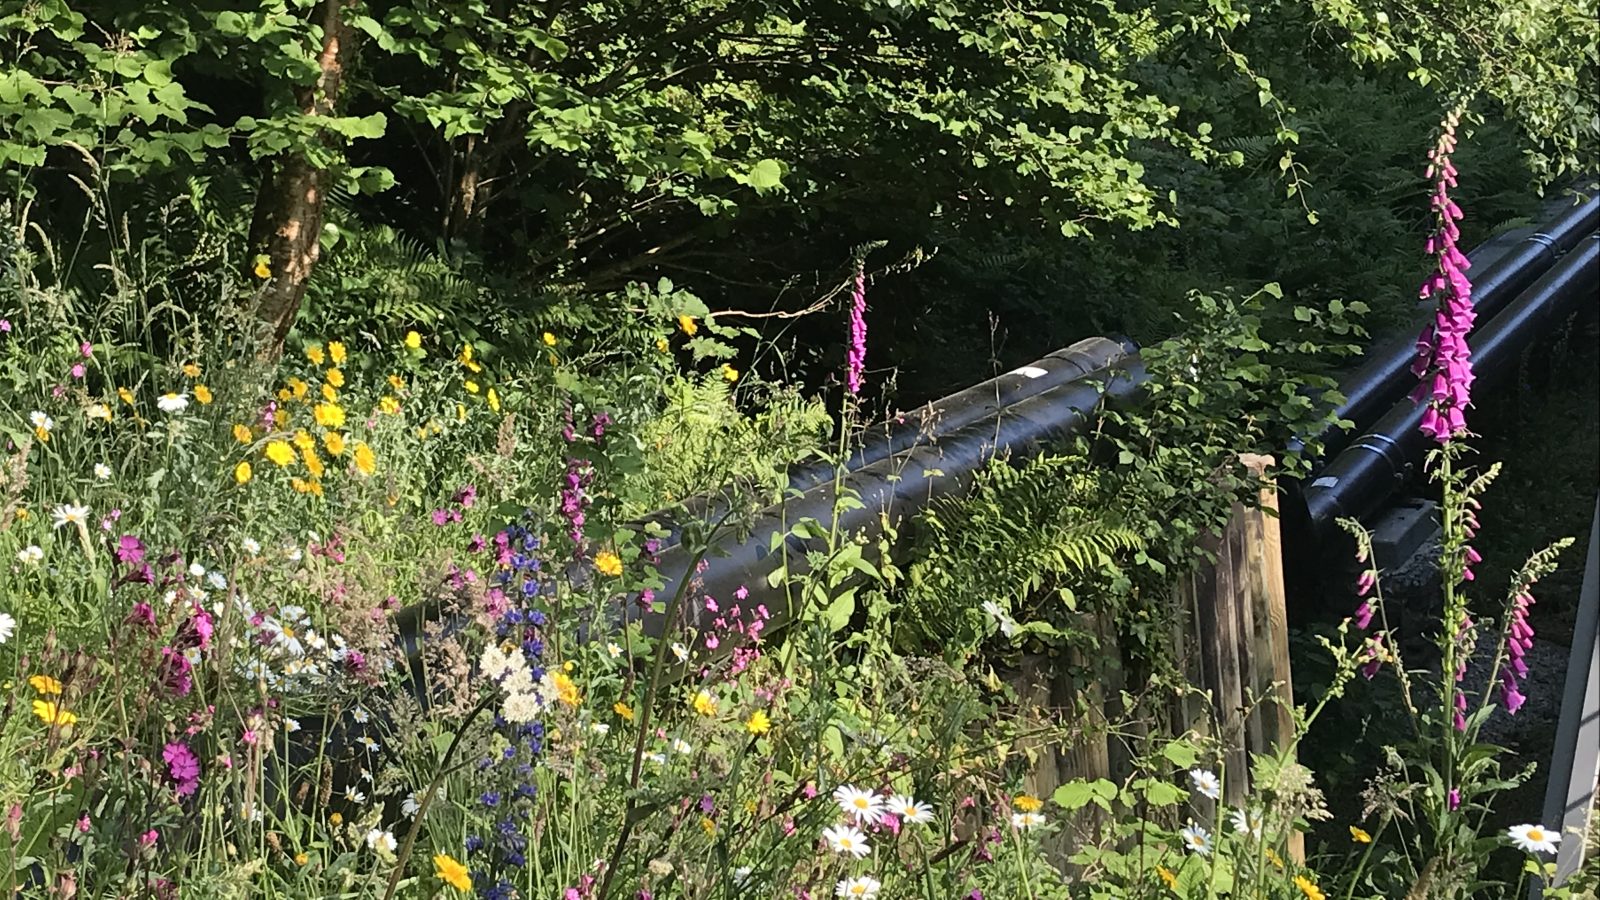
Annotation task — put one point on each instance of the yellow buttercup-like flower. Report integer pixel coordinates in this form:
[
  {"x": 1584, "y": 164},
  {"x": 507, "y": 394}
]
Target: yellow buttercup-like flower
[
  {"x": 336, "y": 352},
  {"x": 191, "y": 370},
  {"x": 329, "y": 415},
  {"x": 312, "y": 460},
  {"x": 730, "y": 373},
  {"x": 688, "y": 324},
  {"x": 1167, "y": 878},
  {"x": 608, "y": 563},
  {"x": 44, "y": 684},
  {"x": 703, "y": 703},
  {"x": 280, "y": 418},
  {"x": 471, "y": 386},
  {"x": 451, "y": 872},
  {"x": 203, "y": 394},
  {"x": 334, "y": 441},
  {"x": 125, "y": 395},
  {"x": 566, "y": 689},
  {"x": 1309, "y": 888},
  {"x": 1359, "y": 836},
  {"x": 52, "y": 714},
  {"x": 1027, "y": 803},
  {"x": 662, "y": 345},
  {"x": 241, "y": 472},
  {"x": 413, "y": 340},
  {"x": 389, "y": 405},
  {"x": 494, "y": 400},
  {"x": 366, "y": 462},
  {"x": 329, "y": 394},
  {"x": 299, "y": 388},
  {"x": 241, "y": 433},
  {"x": 623, "y": 710},
  {"x": 303, "y": 440},
  {"x": 335, "y": 378},
  {"x": 758, "y": 723},
  {"x": 396, "y": 382},
  {"x": 281, "y": 453},
  {"x": 262, "y": 269},
  {"x": 549, "y": 339},
  {"x": 315, "y": 354}
]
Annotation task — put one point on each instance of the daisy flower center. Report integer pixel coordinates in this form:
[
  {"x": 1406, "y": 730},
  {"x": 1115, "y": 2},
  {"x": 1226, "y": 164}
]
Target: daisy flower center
[
  {"x": 1535, "y": 834},
  {"x": 860, "y": 802}
]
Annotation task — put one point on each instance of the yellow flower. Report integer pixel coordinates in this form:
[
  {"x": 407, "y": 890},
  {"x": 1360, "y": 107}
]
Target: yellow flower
[
  {"x": 1027, "y": 803},
  {"x": 451, "y": 872},
  {"x": 334, "y": 441},
  {"x": 336, "y": 352},
  {"x": 704, "y": 703},
  {"x": 203, "y": 394},
  {"x": 191, "y": 370},
  {"x": 300, "y": 485},
  {"x": 303, "y": 439},
  {"x": 389, "y": 405},
  {"x": 337, "y": 818},
  {"x": 758, "y": 723},
  {"x": 413, "y": 340},
  {"x": 566, "y": 689},
  {"x": 263, "y": 270},
  {"x": 241, "y": 433},
  {"x": 280, "y": 418},
  {"x": 43, "y": 434},
  {"x": 662, "y": 345},
  {"x": 494, "y": 400},
  {"x": 623, "y": 710},
  {"x": 1309, "y": 888},
  {"x": 299, "y": 387},
  {"x": 396, "y": 382},
  {"x": 608, "y": 563},
  {"x": 241, "y": 472},
  {"x": 366, "y": 463},
  {"x": 125, "y": 395},
  {"x": 313, "y": 462},
  {"x": 51, "y": 714},
  {"x": 301, "y": 859},
  {"x": 335, "y": 378},
  {"x": 1167, "y": 878},
  {"x": 21, "y": 514},
  {"x": 466, "y": 352},
  {"x": 1359, "y": 836},
  {"x": 329, "y": 415},
  {"x": 461, "y": 413},
  {"x": 329, "y": 394},
  {"x": 283, "y": 395},
  {"x": 730, "y": 373},
  {"x": 281, "y": 453},
  {"x": 549, "y": 339},
  {"x": 44, "y": 684},
  {"x": 98, "y": 411},
  {"x": 315, "y": 354},
  {"x": 1274, "y": 858},
  {"x": 687, "y": 323},
  {"x": 471, "y": 386},
  {"x": 708, "y": 825}
]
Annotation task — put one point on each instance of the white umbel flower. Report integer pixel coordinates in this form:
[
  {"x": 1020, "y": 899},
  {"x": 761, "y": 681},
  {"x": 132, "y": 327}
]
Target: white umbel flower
[
  {"x": 846, "y": 839},
  {"x": 863, "y": 806},
  {"x": 1533, "y": 838}
]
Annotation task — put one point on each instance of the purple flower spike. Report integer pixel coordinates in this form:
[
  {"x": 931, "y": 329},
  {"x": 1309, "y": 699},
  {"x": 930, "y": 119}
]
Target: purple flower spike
[
  {"x": 856, "y": 357},
  {"x": 1443, "y": 364}
]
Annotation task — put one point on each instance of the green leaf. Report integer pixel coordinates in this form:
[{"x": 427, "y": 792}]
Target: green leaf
[{"x": 766, "y": 175}]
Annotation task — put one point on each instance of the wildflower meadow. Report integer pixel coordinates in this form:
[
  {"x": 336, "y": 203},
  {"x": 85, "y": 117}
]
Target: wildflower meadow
[{"x": 353, "y": 539}]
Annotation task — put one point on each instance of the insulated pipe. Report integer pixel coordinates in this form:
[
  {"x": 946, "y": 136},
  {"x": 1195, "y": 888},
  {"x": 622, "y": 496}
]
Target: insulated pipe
[
  {"x": 1358, "y": 481},
  {"x": 980, "y": 403},
  {"x": 890, "y": 491},
  {"x": 1380, "y": 380}
]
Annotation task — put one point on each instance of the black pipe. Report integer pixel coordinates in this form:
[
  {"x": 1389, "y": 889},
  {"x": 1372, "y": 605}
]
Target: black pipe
[
  {"x": 979, "y": 403},
  {"x": 1358, "y": 481},
  {"x": 1382, "y": 378},
  {"x": 890, "y": 491}
]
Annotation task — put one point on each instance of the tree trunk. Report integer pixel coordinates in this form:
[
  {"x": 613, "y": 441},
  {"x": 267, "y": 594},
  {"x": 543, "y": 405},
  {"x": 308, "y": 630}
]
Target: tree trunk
[{"x": 287, "y": 223}]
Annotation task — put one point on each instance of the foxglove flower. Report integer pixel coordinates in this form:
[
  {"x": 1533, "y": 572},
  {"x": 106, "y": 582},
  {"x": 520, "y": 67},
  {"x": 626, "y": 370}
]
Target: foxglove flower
[
  {"x": 856, "y": 356},
  {"x": 1443, "y": 364}
]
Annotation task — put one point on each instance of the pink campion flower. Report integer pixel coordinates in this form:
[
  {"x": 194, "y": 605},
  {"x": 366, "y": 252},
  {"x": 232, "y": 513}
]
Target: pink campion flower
[
  {"x": 5, "y": 326},
  {"x": 83, "y": 824},
  {"x": 149, "y": 838},
  {"x": 856, "y": 355},
  {"x": 176, "y": 671},
  {"x": 1454, "y": 800},
  {"x": 182, "y": 766},
  {"x": 78, "y": 371},
  {"x": 87, "y": 349}
]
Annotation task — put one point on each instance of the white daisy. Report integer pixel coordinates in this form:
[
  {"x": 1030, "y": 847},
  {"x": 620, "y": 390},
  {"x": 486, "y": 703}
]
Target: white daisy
[
  {"x": 1533, "y": 838},
  {"x": 911, "y": 811},
  {"x": 1008, "y": 625},
  {"x": 846, "y": 839},
  {"x": 70, "y": 514},
  {"x": 1206, "y": 783},
  {"x": 353, "y": 795},
  {"x": 1247, "y": 823},
  {"x": 600, "y": 728},
  {"x": 30, "y": 554},
  {"x": 1196, "y": 839},
  {"x": 41, "y": 421},
  {"x": 98, "y": 411},
  {"x": 251, "y": 546},
  {"x": 863, "y": 886},
  {"x": 679, "y": 745},
  {"x": 380, "y": 840},
  {"x": 196, "y": 570},
  {"x": 361, "y": 716},
  {"x": 863, "y": 806},
  {"x": 172, "y": 403},
  {"x": 102, "y": 471},
  {"x": 659, "y": 759},
  {"x": 410, "y": 806},
  {"x": 291, "y": 725},
  {"x": 8, "y": 627},
  {"x": 1026, "y": 821},
  {"x": 680, "y": 651},
  {"x": 741, "y": 876},
  {"x": 371, "y": 745},
  {"x": 614, "y": 649}
]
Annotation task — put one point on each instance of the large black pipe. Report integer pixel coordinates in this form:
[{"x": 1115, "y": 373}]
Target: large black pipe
[
  {"x": 980, "y": 403},
  {"x": 1358, "y": 481},
  {"x": 890, "y": 491},
  {"x": 1382, "y": 378}
]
